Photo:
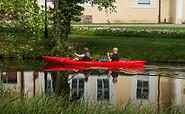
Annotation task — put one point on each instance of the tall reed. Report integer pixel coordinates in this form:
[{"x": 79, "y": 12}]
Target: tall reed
[{"x": 12, "y": 102}]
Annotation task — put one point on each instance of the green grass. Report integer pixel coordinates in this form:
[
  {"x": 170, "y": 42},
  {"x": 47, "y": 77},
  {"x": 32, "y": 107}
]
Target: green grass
[
  {"x": 151, "y": 28},
  {"x": 131, "y": 48},
  {"x": 155, "y": 49}
]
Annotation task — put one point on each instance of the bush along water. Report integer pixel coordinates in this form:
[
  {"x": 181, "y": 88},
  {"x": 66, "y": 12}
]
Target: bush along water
[
  {"x": 127, "y": 32},
  {"x": 13, "y": 47}
]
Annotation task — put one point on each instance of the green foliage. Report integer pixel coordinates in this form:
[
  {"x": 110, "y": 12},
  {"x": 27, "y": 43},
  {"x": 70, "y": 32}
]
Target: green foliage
[
  {"x": 70, "y": 10},
  {"x": 16, "y": 50},
  {"x": 26, "y": 18},
  {"x": 23, "y": 16}
]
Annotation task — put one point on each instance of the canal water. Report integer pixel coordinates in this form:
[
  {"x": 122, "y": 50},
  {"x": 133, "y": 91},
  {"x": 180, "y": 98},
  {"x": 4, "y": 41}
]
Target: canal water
[{"x": 156, "y": 82}]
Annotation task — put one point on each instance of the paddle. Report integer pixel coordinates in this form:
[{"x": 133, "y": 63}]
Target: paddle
[
  {"x": 74, "y": 75},
  {"x": 71, "y": 51}
]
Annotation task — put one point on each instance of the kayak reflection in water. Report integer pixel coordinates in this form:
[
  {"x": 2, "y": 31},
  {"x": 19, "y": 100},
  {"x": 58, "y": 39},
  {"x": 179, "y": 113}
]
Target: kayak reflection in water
[
  {"x": 114, "y": 56},
  {"x": 114, "y": 76},
  {"x": 86, "y": 56}
]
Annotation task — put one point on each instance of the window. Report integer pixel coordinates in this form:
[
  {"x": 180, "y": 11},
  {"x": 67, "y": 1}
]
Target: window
[
  {"x": 143, "y": 1},
  {"x": 78, "y": 87},
  {"x": 49, "y": 2},
  {"x": 142, "y": 89},
  {"x": 102, "y": 89}
]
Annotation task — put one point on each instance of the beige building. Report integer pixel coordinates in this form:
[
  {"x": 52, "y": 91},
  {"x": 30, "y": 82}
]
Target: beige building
[
  {"x": 140, "y": 11},
  {"x": 135, "y": 11}
]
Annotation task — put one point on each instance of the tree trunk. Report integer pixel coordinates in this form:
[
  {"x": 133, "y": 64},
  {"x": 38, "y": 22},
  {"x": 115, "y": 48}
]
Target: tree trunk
[
  {"x": 56, "y": 24},
  {"x": 57, "y": 82}
]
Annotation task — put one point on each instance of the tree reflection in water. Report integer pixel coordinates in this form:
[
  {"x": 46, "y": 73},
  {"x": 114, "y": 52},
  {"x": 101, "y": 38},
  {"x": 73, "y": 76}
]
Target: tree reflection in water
[{"x": 60, "y": 82}]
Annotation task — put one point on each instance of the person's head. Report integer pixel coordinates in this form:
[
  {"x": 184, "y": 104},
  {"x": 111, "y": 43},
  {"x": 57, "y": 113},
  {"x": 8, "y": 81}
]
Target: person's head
[
  {"x": 114, "y": 80},
  {"x": 86, "y": 74},
  {"x": 86, "y": 49},
  {"x": 115, "y": 49},
  {"x": 86, "y": 79}
]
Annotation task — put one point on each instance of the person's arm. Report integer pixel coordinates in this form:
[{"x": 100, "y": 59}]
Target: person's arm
[
  {"x": 108, "y": 76},
  {"x": 109, "y": 57},
  {"x": 79, "y": 55}
]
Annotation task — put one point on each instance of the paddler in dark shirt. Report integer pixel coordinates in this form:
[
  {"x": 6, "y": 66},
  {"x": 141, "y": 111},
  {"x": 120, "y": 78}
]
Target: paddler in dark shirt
[
  {"x": 114, "y": 56},
  {"x": 86, "y": 56}
]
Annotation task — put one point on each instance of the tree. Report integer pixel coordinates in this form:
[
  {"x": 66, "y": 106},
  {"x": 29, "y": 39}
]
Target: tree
[
  {"x": 23, "y": 15},
  {"x": 29, "y": 19},
  {"x": 67, "y": 10}
]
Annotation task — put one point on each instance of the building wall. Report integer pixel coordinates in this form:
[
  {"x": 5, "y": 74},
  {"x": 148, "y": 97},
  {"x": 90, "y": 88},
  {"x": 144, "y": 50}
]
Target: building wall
[
  {"x": 131, "y": 12},
  {"x": 183, "y": 10},
  {"x": 127, "y": 13},
  {"x": 166, "y": 10}
]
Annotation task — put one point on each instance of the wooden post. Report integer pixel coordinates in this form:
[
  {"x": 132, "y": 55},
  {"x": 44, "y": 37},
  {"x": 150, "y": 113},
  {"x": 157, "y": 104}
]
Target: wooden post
[
  {"x": 45, "y": 79},
  {"x": 46, "y": 28},
  {"x": 158, "y": 97},
  {"x": 159, "y": 18},
  {"x": 22, "y": 85}
]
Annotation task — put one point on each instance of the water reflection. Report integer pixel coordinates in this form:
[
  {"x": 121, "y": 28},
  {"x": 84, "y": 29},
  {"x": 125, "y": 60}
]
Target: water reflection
[
  {"x": 114, "y": 75},
  {"x": 28, "y": 83},
  {"x": 159, "y": 83}
]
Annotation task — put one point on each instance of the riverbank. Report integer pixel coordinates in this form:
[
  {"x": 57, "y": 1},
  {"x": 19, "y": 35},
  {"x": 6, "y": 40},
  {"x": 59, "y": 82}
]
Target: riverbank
[
  {"x": 157, "y": 50},
  {"x": 134, "y": 43},
  {"x": 145, "y": 45}
]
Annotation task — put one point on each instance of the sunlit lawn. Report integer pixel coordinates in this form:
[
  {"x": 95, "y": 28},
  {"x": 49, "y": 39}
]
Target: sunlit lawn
[{"x": 155, "y": 49}]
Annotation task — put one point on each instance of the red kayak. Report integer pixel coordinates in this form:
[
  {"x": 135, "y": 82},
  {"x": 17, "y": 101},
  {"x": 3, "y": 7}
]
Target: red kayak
[
  {"x": 68, "y": 61},
  {"x": 129, "y": 70}
]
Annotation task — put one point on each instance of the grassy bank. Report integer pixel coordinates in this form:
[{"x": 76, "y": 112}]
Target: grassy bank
[
  {"x": 161, "y": 50},
  {"x": 158, "y": 44},
  {"x": 135, "y": 43}
]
